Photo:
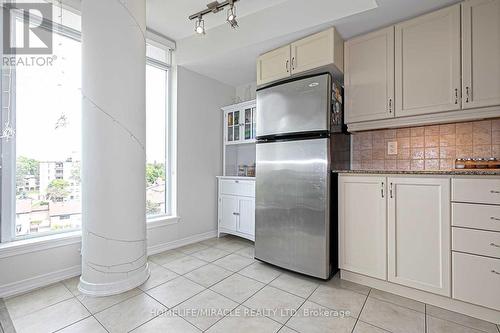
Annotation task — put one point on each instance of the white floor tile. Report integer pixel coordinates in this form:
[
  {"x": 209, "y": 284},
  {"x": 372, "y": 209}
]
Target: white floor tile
[
  {"x": 233, "y": 262},
  {"x": 185, "y": 264},
  {"x": 261, "y": 272},
  {"x": 398, "y": 300},
  {"x": 192, "y": 248},
  {"x": 167, "y": 323},
  {"x": 393, "y": 318},
  {"x": 275, "y": 303},
  {"x": 297, "y": 284},
  {"x": 362, "y": 327},
  {"x": 208, "y": 275},
  {"x": 231, "y": 246},
  {"x": 72, "y": 285},
  {"x": 460, "y": 319},
  {"x": 88, "y": 325},
  {"x": 314, "y": 318},
  {"x": 129, "y": 314},
  {"x": 159, "y": 275},
  {"x": 175, "y": 291},
  {"x": 96, "y": 304},
  {"x": 238, "y": 287},
  {"x": 248, "y": 252},
  {"x": 336, "y": 282},
  {"x": 166, "y": 257},
  {"x": 436, "y": 325},
  {"x": 51, "y": 318},
  {"x": 205, "y": 309},
  {"x": 242, "y": 321},
  {"x": 210, "y": 254},
  {"x": 339, "y": 299},
  {"x": 36, "y": 300}
]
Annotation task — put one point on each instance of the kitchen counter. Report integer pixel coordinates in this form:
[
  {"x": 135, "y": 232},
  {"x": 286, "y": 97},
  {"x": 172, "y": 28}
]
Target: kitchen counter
[{"x": 456, "y": 172}]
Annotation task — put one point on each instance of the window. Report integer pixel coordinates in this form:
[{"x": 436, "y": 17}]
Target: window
[
  {"x": 43, "y": 158},
  {"x": 157, "y": 175}
]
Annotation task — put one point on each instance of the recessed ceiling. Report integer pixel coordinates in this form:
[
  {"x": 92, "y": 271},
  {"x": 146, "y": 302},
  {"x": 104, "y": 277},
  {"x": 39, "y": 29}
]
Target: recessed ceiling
[{"x": 171, "y": 16}]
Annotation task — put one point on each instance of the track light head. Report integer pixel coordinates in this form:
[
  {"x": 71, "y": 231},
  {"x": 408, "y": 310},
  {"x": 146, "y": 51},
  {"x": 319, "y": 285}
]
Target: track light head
[
  {"x": 231, "y": 16},
  {"x": 199, "y": 26}
]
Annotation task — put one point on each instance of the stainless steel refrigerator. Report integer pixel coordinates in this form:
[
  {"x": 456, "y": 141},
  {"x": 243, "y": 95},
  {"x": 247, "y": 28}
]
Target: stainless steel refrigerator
[{"x": 295, "y": 190}]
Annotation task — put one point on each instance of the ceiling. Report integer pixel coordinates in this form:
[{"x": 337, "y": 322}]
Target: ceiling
[
  {"x": 229, "y": 55},
  {"x": 171, "y": 16}
]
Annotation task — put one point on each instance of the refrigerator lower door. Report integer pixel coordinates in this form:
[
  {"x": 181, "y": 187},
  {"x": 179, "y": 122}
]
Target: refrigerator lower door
[{"x": 292, "y": 205}]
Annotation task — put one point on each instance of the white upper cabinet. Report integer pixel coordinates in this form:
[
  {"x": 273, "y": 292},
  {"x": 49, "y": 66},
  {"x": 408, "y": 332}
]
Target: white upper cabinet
[
  {"x": 427, "y": 61},
  {"x": 481, "y": 53},
  {"x": 273, "y": 65},
  {"x": 315, "y": 51},
  {"x": 362, "y": 232},
  {"x": 419, "y": 243},
  {"x": 369, "y": 76},
  {"x": 321, "y": 49}
]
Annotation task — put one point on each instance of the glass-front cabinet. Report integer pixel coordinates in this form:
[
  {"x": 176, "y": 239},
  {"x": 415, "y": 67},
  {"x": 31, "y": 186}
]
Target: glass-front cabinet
[{"x": 239, "y": 123}]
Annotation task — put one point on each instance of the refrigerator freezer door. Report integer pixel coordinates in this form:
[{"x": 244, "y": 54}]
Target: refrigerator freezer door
[
  {"x": 294, "y": 107},
  {"x": 292, "y": 205}
]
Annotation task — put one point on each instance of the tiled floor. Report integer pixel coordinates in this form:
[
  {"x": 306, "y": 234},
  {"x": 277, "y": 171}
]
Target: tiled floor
[{"x": 217, "y": 286}]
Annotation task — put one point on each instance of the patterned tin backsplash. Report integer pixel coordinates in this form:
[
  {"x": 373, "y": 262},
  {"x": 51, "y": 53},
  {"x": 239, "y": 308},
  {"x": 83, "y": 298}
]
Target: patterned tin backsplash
[{"x": 432, "y": 147}]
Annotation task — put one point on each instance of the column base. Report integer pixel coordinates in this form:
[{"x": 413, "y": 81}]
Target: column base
[{"x": 118, "y": 287}]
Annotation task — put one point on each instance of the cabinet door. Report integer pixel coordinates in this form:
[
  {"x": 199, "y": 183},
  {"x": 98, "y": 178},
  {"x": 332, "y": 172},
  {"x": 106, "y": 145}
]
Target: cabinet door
[
  {"x": 315, "y": 51},
  {"x": 273, "y": 65},
  {"x": 362, "y": 232},
  {"x": 228, "y": 212},
  {"x": 419, "y": 233},
  {"x": 246, "y": 222},
  {"x": 428, "y": 63},
  {"x": 481, "y": 53},
  {"x": 369, "y": 76}
]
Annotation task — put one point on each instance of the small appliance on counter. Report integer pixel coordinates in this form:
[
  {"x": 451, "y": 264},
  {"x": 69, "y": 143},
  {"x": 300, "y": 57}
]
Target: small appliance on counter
[{"x": 477, "y": 163}]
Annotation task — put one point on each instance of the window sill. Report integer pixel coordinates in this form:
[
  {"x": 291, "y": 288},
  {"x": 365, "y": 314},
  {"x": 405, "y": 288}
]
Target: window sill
[{"x": 36, "y": 244}]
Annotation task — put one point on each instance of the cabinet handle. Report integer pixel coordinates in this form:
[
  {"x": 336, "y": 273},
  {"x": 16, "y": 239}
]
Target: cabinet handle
[
  {"x": 494, "y": 218},
  {"x": 467, "y": 95},
  {"x": 495, "y": 272},
  {"x": 382, "y": 190},
  {"x": 237, "y": 181},
  {"x": 286, "y": 66},
  {"x": 494, "y": 245},
  {"x": 293, "y": 63},
  {"x": 236, "y": 213},
  {"x": 456, "y": 95},
  {"x": 390, "y": 191},
  {"x": 494, "y": 192},
  {"x": 390, "y": 105}
]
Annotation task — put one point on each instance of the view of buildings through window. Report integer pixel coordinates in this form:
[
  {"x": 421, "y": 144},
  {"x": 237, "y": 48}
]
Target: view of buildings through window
[
  {"x": 156, "y": 135},
  {"x": 48, "y": 142}
]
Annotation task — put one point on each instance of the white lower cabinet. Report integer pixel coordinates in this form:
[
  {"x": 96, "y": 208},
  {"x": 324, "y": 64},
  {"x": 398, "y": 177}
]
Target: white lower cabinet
[
  {"x": 397, "y": 229},
  {"x": 363, "y": 225},
  {"x": 419, "y": 241},
  {"x": 236, "y": 207}
]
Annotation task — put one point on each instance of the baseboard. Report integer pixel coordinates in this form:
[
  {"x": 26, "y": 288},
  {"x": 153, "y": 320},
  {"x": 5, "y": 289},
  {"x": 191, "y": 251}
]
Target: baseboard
[
  {"x": 437, "y": 300},
  {"x": 39, "y": 281},
  {"x": 181, "y": 242},
  {"x": 23, "y": 286}
]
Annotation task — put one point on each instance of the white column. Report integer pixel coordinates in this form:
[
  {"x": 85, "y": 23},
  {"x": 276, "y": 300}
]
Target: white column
[{"x": 113, "y": 149}]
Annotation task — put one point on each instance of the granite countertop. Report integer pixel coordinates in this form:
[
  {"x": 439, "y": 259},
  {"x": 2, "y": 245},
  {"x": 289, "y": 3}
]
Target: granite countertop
[{"x": 459, "y": 172}]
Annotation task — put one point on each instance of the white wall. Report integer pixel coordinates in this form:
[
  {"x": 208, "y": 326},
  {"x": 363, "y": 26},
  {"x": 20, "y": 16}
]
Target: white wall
[
  {"x": 197, "y": 100},
  {"x": 246, "y": 92}
]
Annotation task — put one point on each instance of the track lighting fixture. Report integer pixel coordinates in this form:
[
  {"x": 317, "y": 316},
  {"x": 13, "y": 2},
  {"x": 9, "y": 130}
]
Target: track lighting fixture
[
  {"x": 215, "y": 7},
  {"x": 199, "y": 26},
  {"x": 231, "y": 16}
]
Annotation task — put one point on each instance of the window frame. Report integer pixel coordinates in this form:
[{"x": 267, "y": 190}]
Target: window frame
[
  {"x": 168, "y": 142},
  {"x": 8, "y": 150}
]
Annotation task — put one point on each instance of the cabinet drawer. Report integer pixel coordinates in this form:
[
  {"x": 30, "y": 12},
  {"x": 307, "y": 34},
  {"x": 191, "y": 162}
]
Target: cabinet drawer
[
  {"x": 485, "y": 217},
  {"x": 476, "y": 280},
  {"x": 477, "y": 190},
  {"x": 237, "y": 187},
  {"x": 485, "y": 243}
]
